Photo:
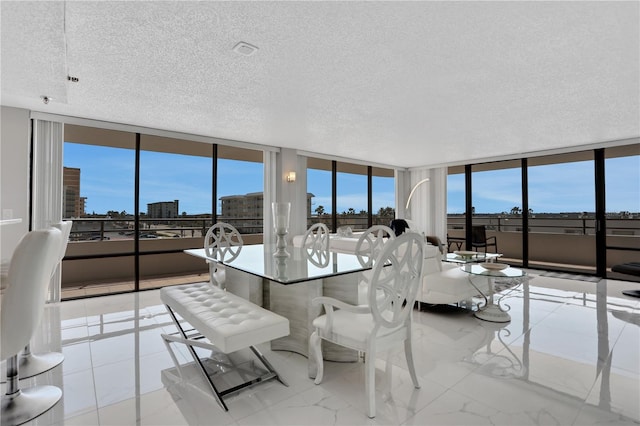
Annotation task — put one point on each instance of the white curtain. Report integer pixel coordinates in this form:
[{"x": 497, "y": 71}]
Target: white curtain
[{"x": 47, "y": 185}]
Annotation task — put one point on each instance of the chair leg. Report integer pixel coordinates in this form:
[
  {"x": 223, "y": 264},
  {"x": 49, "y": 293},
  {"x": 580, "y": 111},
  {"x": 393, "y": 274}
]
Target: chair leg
[
  {"x": 370, "y": 383},
  {"x": 408, "y": 353},
  {"x": 315, "y": 352},
  {"x": 20, "y": 406}
]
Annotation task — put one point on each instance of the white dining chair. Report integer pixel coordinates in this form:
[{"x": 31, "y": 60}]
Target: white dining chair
[
  {"x": 368, "y": 247},
  {"x": 23, "y": 301},
  {"x": 316, "y": 242},
  {"x": 222, "y": 242},
  {"x": 382, "y": 324},
  {"x": 33, "y": 364}
]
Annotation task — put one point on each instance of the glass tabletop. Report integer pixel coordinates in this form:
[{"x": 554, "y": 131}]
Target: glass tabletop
[
  {"x": 302, "y": 264},
  {"x": 478, "y": 269}
]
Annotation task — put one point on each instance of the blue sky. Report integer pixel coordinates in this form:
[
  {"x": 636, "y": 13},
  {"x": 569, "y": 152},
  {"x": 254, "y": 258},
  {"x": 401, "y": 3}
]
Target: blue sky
[
  {"x": 555, "y": 188},
  {"x": 107, "y": 179}
]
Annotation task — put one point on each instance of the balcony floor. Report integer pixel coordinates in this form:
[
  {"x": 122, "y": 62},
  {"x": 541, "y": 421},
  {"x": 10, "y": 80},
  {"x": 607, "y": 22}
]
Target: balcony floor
[
  {"x": 126, "y": 286},
  {"x": 570, "y": 356}
]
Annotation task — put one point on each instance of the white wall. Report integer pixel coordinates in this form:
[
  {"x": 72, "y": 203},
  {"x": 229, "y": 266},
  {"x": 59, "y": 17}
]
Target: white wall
[{"x": 14, "y": 176}]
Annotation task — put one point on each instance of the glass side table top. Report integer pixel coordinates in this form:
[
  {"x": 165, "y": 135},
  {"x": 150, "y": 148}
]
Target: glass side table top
[
  {"x": 477, "y": 257},
  {"x": 478, "y": 269}
]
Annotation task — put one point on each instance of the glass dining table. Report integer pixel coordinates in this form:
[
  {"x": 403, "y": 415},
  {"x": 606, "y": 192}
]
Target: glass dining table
[{"x": 287, "y": 286}]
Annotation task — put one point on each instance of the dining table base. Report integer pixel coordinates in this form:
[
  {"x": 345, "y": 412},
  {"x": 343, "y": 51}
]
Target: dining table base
[{"x": 294, "y": 303}]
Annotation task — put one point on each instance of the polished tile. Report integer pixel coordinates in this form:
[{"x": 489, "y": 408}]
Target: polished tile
[{"x": 570, "y": 356}]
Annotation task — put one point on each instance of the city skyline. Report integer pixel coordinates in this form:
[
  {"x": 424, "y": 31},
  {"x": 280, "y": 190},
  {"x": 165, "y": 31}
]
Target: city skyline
[{"x": 107, "y": 180}]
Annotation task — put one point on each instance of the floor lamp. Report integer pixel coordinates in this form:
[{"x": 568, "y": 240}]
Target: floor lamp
[{"x": 413, "y": 190}]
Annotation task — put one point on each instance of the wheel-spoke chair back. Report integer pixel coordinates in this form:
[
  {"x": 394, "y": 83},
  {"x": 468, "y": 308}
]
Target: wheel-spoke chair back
[
  {"x": 371, "y": 242},
  {"x": 382, "y": 324},
  {"x": 316, "y": 243},
  {"x": 368, "y": 247},
  {"x": 395, "y": 287},
  {"x": 222, "y": 242}
]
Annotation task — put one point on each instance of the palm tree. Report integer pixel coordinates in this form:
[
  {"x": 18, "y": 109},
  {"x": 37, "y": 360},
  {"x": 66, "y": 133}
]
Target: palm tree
[{"x": 319, "y": 210}]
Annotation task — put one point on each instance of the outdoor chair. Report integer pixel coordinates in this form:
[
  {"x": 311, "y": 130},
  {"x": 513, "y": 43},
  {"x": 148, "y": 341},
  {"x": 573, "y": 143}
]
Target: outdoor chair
[{"x": 479, "y": 239}]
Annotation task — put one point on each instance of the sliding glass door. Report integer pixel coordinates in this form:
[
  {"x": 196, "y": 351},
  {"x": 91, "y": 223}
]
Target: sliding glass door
[
  {"x": 622, "y": 177},
  {"x": 562, "y": 226},
  {"x": 497, "y": 213}
]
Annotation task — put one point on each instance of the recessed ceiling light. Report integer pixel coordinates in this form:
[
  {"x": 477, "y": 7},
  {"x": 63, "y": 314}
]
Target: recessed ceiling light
[{"x": 245, "y": 49}]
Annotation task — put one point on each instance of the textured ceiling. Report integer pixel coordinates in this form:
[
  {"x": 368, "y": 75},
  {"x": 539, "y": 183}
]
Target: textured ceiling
[{"x": 400, "y": 83}]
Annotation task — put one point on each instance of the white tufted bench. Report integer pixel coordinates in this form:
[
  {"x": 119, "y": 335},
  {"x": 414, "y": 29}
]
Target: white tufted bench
[{"x": 229, "y": 322}]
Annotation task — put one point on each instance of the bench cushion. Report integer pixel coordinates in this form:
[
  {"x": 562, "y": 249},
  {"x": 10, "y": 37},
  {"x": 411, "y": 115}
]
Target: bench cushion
[{"x": 228, "y": 321}]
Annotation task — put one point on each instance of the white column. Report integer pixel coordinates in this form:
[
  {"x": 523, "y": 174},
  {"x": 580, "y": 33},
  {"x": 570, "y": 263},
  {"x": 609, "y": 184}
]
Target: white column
[
  {"x": 402, "y": 179},
  {"x": 293, "y": 192},
  {"x": 439, "y": 203},
  {"x": 47, "y": 185}
]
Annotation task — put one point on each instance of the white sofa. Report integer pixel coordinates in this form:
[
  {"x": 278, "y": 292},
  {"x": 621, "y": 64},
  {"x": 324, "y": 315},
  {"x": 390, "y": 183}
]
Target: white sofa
[
  {"x": 337, "y": 243},
  {"x": 443, "y": 282}
]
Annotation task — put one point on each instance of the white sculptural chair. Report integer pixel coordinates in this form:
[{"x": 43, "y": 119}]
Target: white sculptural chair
[
  {"x": 222, "y": 242},
  {"x": 316, "y": 242},
  {"x": 34, "y": 364},
  {"x": 383, "y": 323},
  {"x": 23, "y": 302},
  {"x": 368, "y": 247}
]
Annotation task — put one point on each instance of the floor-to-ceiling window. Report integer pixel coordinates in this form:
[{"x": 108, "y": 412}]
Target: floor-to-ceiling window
[
  {"x": 497, "y": 208},
  {"x": 98, "y": 195},
  {"x": 456, "y": 202},
  {"x": 562, "y": 203},
  {"x": 138, "y": 201},
  {"x": 351, "y": 196},
  {"x": 319, "y": 189},
  {"x": 622, "y": 177},
  {"x": 363, "y": 195},
  {"x": 383, "y": 196},
  {"x": 175, "y": 204},
  {"x": 553, "y": 221},
  {"x": 240, "y": 183}
]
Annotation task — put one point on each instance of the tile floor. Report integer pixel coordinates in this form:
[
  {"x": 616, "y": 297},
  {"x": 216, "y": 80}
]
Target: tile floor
[{"x": 570, "y": 356}]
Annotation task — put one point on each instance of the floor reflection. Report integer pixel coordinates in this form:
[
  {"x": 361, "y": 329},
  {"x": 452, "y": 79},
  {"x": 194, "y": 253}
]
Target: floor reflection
[{"x": 571, "y": 354}]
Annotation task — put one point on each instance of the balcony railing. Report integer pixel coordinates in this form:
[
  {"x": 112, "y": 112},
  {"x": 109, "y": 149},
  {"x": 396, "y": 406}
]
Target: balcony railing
[
  {"x": 102, "y": 250},
  {"x": 557, "y": 225},
  {"x": 565, "y": 243}
]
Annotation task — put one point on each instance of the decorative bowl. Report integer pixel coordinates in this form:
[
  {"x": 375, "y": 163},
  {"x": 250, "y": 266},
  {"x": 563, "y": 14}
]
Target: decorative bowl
[
  {"x": 465, "y": 254},
  {"x": 492, "y": 266}
]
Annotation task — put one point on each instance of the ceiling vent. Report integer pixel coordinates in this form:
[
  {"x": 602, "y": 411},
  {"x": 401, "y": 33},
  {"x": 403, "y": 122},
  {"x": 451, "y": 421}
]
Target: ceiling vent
[{"x": 245, "y": 49}]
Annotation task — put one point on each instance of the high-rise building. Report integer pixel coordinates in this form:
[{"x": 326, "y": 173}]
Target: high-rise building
[
  {"x": 73, "y": 203},
  {"x": 163, "y": 210}
]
